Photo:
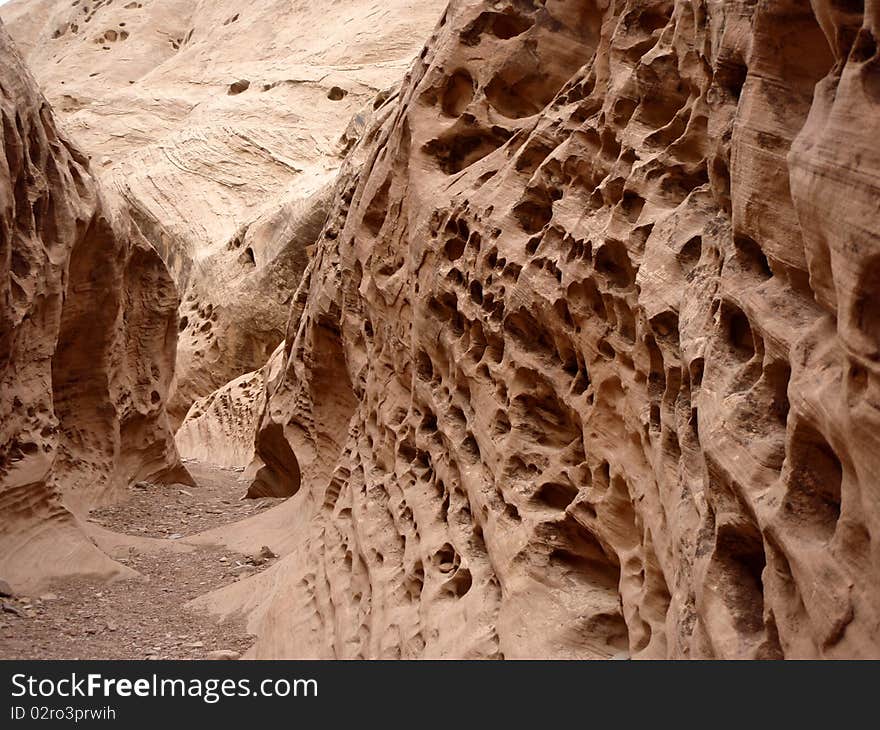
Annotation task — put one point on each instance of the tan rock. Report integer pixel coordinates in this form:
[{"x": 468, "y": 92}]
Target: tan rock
[
  {"x": 86, "y": 345},
  {"x": 586, "y": 361},
  {"x": 222, "y": 126},
  {"x": 220, "y": 427},
  {"x": 223, "y": 655}
]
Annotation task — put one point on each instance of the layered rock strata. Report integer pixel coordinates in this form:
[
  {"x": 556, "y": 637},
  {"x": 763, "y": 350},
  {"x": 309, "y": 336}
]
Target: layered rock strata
[{"x": 220, "y": 126}]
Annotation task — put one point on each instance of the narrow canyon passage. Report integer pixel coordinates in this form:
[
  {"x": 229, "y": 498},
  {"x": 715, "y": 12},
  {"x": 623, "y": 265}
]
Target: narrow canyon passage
[
  {"x": 145, "y": 619},
  {"x": 560, "y": 319}
]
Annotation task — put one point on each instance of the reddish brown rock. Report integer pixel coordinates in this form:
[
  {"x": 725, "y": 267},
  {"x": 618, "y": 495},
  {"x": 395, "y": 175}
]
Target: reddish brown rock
[
  {"x": 87, "y": 345},
  {"x": 586, "y": 361}
]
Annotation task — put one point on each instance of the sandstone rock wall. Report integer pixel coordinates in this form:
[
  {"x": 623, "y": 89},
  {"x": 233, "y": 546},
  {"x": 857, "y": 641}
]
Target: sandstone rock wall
[
  {"x": 220, "y": 125},
  {"x": 606, "y": 295},
  {"x": 221, "y": 428},
  {"x": 87, "y": 344}
]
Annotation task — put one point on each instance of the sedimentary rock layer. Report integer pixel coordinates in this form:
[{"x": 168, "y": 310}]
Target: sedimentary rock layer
[
  {"x": 87, "y": 344},
  {"x": 220, "y": 124},
  {"x": 586, "y": 361}
]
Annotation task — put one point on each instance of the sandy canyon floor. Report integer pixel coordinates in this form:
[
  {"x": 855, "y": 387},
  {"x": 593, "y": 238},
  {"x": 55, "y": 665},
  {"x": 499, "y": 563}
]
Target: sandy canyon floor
[{"x": 148, "y": 618}]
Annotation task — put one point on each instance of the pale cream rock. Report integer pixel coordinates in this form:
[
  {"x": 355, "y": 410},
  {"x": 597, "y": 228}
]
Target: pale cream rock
[{"x": 222, "y": 124}]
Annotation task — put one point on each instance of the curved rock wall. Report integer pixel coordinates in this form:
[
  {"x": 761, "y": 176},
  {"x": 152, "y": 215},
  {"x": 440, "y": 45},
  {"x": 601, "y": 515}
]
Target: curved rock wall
[
  {"x": 87, "y": 344},
  {"x": 606, "y": 290},
  {"x": 219, "y": 125}
]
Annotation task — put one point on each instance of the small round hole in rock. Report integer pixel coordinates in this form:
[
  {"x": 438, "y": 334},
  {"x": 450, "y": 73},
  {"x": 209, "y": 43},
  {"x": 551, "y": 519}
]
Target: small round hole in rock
[{"x": 247, "y": 257}]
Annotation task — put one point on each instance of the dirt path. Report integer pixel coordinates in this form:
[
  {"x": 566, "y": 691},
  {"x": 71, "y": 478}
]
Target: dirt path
[{"x": 145, "y": 619}]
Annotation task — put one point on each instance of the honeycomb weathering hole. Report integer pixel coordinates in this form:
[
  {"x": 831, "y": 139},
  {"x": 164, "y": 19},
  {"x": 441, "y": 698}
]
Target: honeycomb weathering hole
[
  {"x": 814, "y": 485},
  {"x": 499, "y": 25},
  {"x": 522, "y": 97},
  {"x": 280, "y": 474},
  {"x": 458, "y": 92},
  {"x": 737, "y": 331},
  {"x": 238, "y": 87},
  {"x": 459, "y": 148}
]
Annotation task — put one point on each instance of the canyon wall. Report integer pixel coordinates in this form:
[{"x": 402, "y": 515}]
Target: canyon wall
[
  {"x": 587, "y": 359},
  {"x": 88, "y": 329},
  {"x": 222, "y": 126}
]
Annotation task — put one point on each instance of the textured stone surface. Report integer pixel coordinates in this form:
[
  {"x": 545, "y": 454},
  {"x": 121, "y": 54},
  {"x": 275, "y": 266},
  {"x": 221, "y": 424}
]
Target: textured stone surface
[
  {"x": 586, "y": 360},
  {"x": 220, "y": 124},
  {"x": 87, "y": 343},
  {"x": 220, "y": 428}
]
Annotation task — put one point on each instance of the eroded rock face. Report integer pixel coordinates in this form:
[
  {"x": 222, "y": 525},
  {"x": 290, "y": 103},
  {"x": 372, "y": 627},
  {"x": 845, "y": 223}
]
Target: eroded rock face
[
  {"x": 220, "y": 428},
  {"x": 220, "y": 126},
  {"x": 87, "y": 344},
  {"x": 606, "y": 295}
]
